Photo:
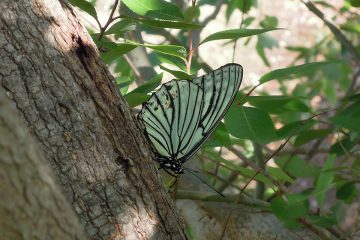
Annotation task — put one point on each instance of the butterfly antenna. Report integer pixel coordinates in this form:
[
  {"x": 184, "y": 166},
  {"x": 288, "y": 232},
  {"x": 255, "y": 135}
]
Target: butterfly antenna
[{"x": 202, "y": 180}]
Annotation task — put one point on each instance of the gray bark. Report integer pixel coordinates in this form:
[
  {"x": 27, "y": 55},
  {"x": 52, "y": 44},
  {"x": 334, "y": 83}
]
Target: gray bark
[
  {"x": 32, "y": 205},
  {"x": 53, "y": 74}
]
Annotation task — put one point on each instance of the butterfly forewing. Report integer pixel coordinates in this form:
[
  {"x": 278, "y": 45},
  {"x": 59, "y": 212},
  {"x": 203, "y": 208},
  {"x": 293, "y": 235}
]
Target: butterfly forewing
[
  {"x": 220, "y": 88},
  {"x": 182, "y": 114},
  {"x": 176, "y": 107}
]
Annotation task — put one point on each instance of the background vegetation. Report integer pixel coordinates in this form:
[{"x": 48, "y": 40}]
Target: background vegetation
[{"x": 291, "y": 138}]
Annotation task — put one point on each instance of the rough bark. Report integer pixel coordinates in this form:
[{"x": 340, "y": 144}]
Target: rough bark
[
  {"x": 53, "y": 74},
  {"x": 32, "y": 205}
]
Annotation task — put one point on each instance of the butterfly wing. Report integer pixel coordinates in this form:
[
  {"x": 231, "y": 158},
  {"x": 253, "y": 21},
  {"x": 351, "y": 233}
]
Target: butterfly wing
[
  {"x": 220, "y": 88},
  {"x": 171, "y": 117},
  {"x": 181, "y": 115}
]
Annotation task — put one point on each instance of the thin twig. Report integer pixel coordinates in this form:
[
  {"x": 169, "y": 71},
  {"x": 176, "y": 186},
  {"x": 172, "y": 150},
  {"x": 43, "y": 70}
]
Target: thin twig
[
  {"x": 200, "y": 196},
  {"x": 109, "y": 21},
  {"x": 212, "y": 16},
  {"x": 241, "y": 24},
  {"x": 191, "y": 49},
  {"x": 190, "y": 52}
]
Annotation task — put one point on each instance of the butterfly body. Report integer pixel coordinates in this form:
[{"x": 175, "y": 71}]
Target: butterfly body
[{"x": 181, "y": 115}]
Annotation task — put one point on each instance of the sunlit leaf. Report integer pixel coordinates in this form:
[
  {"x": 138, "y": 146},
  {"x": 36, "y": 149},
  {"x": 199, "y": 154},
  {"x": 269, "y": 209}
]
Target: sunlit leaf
[
  {"x": 148, "y": 86},
  {"x": 155, "y": 8},
  {"x": 115, "y": 50},
  {"x": 158, "y": 23},
  {"x": 178, "y": 74},
  {"x": 294, "y": 71},
  {"x": 136, "y": 99},
  {"x": 121, "y": 27},
  {"x": 174, "y": 50},
  {"x": 85, "y": 6},
  {"x": 236, "y": 33}
]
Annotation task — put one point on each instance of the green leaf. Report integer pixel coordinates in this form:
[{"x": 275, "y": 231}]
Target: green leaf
[
  {"x": 329, "y": 90},
  {"x": 179, "y": 63},
  {"x": 267, "y": 41},
  {"x": 322, "y": 221},
  {"x": 351, "y": 27},
  {"x": 165, "y": 23},
  {"x": 355, "y": 3},
  {"x": 349, "y": 117},
  {"x": 278, "y": 104},
  {"x": 123, "y": 83},
  {"x": 247, "y": 21},
  {"x": 325, "y": 179},
  {"x": 309, "y": 135},
  {"x": 250, "y": 123},
  {"x": 148, "y": 86},
  {"x": 279, "y": 174},
  {"x": 290, "y": 72},
  {"x": 178, "y": 74},
  {"x": 346, "y": 191},
  {"x": 243, "y": 5},
  {"x": 352, "y": 111},
  {"x": 155, "y": 9},
  {"x": 295, "y": 166},
  {"x": 220, "y": 137},
  {"x": 261, "y": 52},
  {"x": 289, "y": 129},
  {"x": 115, "y": 50},
  {"x": 286, "y": 210},
  {"x": 173, "y": 50},
  {"x": 349, "y": 122},
  {"x": 85, "y": 6},
  {"x": 136, "y": 99},
  {"x": 121, "y": 27},
  {"x": 236, "y": 33},
  {"x": 269, "y": 22},
  {"x": 191, "y": 14},
  {"x": 339, "y": 148}
]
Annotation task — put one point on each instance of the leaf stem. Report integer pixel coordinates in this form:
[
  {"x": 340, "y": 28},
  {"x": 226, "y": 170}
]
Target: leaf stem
[{"x": 190, "y": 44}]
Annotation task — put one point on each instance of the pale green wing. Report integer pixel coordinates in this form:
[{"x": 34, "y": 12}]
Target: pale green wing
[
  {"x": 220, "y": 88},
  {"x": 171, "y": 117},
  {"x": 181, "y": 115}
]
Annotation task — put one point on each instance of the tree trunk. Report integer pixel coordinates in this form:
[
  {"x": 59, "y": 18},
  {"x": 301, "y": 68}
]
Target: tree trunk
[
  {"x": 52, "y": 72},
  {"x": 32, "y": 206}
]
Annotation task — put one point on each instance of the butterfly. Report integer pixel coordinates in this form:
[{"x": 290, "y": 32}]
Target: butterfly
[{"x": 181, "y": 115}]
